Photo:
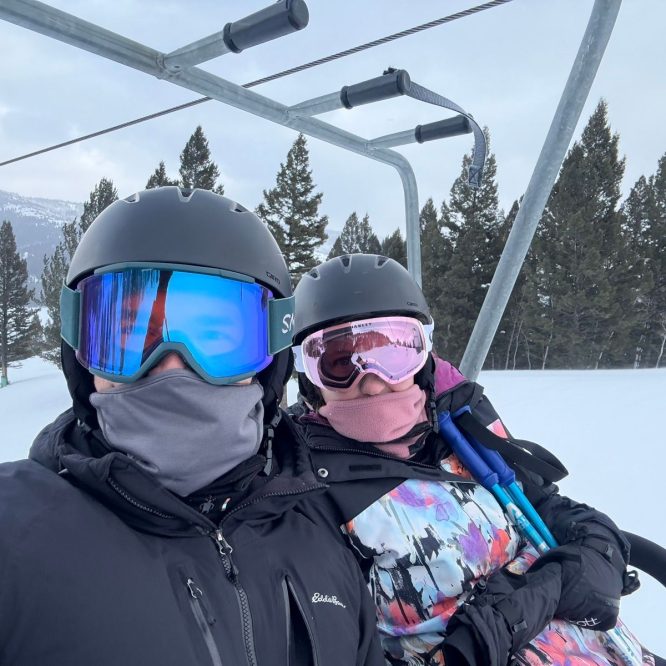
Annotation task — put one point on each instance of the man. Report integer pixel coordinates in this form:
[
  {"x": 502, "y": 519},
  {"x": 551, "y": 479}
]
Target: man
[{"x": 158, "y": 520}]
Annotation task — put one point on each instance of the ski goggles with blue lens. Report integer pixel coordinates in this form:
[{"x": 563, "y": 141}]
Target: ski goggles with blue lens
[{"x": 123, "y": 319}]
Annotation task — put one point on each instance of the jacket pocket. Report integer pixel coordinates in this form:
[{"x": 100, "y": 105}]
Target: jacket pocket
[
  {"x": 203, "y": 617},
  {"x": 301, "y": 637}
]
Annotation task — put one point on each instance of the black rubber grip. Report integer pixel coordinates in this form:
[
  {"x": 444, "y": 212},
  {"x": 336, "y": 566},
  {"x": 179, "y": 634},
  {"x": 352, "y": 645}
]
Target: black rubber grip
[
  {"x": 443, "y": 129},
  {"x": 374, "y": 90},
  {"x": 275, "y": 21}
]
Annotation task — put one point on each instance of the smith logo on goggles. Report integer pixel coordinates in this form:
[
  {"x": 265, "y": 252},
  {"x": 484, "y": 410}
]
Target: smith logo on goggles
[
  {"x": 393, "y": 348},
  {"x": 122, "y": 319}
]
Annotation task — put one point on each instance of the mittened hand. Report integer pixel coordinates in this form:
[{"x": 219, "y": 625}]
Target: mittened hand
[
  {"x": 592, "y": 581},
  {"x": 503, "y": 614}
]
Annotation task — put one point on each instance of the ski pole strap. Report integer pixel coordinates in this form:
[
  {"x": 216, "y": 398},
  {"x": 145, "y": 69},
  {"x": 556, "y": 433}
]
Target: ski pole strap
[
  {"x": 527, "y": 454},
  {"x": 492, "y": 458}
]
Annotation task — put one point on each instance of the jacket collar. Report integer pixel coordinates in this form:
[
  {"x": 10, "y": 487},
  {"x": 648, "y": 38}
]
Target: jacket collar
[{"x": 79, "y": 454}]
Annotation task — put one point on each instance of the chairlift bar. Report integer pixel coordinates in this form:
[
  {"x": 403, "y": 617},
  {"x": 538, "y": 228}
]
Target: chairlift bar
[
  {"x": 395, "y": 139},
  {"x": 567, "y": 114},
  {"x": 441, "y": 129},
  {"x": 276, "y": 20},
  {"x": 72, "y": 30},
  {"x": 317, "y": 105},
  {"x": 390, "y": 84}
]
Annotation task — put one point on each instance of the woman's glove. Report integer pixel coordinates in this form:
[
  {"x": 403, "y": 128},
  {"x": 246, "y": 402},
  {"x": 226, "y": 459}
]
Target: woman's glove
[
  {"x": 502, "y": 615},
  {"x": 593, "y": 577}
]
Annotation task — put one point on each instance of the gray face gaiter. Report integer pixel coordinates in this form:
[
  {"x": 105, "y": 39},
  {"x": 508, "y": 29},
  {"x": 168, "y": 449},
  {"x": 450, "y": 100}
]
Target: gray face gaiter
[{"x": 183, "y": 430}]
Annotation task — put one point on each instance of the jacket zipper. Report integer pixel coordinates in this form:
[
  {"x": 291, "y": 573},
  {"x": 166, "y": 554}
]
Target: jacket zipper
[
  {"x": 287, "y": 612},
  {"x": 311, "y": 634},
  {"x": 231, "y": 573},
  {"x": 139, "y": 505},
  {"x": 204, "y": 620}
]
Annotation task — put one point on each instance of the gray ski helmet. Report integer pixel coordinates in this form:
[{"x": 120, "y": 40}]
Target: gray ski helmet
[
  {"x": 180, "y": 226},
  {"x": 356, "y": 286}
]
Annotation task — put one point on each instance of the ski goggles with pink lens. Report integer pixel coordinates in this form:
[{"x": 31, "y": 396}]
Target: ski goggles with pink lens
[{"x": 393, "y": 348}]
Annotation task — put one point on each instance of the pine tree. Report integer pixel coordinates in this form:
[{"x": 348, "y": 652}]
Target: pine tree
[
  {"x": 510, "y": 337},
  {"x": 159, "y": 178},
  {"x": 473, "y": 223},
  {"x": 16, "y": 315},
  {"x": 103, "y": 195},
  {"x": 291, "y": 211},
  {"x": 356, "y": 236},
  {"x": 56, "y": 266},
  {"x": 394, "y": 247},
  {"x": 197, "y": 169},
  {"x": 582, "y": 271},
  {"x": 654, "y": 244},
  {"x": 638, "y": 212},
  {"x": 436, "y": 251}
]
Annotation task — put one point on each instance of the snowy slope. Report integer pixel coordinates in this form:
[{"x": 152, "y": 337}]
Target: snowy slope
[{"x": 604, "y": 425}]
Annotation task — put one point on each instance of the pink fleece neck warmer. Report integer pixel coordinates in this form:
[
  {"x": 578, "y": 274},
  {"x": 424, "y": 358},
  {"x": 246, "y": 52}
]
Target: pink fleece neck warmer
[{"x": 379, "y": 418}]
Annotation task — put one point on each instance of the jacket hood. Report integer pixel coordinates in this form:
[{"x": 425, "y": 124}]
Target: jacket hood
[{"x": 71, "y": 449}]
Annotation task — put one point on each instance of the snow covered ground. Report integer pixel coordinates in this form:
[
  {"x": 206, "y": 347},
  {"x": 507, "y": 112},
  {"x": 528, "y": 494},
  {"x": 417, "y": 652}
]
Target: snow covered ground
[{"x": 604, "y": 425}]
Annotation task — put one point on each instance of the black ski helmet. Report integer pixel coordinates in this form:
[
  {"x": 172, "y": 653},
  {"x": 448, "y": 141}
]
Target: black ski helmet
[
  {"x": 356, "y": 286},
  {"x": 180, "y": 226},
  {"x": 351, "y": 287}
]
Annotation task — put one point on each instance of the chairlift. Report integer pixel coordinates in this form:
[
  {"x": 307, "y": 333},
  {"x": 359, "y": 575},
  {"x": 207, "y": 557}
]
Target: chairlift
[{"x": 179, "y": 67}]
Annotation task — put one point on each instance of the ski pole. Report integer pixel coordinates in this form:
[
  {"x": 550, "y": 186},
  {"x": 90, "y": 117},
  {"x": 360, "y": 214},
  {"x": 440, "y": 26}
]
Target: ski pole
[
  {"x": 488, "y": 479},
  {"x": 507, "y": 479},
  {"x": 475, "y": 462}
]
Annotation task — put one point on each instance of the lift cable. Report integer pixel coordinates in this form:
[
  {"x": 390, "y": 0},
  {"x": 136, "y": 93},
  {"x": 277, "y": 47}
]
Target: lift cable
[{"x": 266, "y": 79}]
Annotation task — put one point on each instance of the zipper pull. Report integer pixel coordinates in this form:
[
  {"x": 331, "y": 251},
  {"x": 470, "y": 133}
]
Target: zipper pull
[
  {"x": 222, "y": 543},
  {"x": 197, "y": 594},
  {"x": 225, "y": 552},
  {"x": 195, "y": 591}
]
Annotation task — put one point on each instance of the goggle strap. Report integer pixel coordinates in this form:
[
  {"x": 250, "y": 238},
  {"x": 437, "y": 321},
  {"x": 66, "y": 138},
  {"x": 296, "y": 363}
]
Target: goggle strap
[
  {"x": 70, "y": 309},
  {"x": 280, "y": 323},
  {"x": 429, "y": 329},
  {"x": 299, "y": 366}
]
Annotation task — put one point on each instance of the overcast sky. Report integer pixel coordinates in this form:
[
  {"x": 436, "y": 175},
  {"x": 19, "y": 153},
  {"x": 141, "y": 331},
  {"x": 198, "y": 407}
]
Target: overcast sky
[{"x": 507, "y": 66}]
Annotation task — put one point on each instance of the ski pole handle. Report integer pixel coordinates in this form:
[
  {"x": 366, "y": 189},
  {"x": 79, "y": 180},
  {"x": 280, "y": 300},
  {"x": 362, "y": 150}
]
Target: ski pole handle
[{"x": 462, "y": 448}]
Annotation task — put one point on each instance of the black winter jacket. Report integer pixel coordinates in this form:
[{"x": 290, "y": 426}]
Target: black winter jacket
[
  {"x": 359, "y": 474},
  {"x": 100, "y": 565}
]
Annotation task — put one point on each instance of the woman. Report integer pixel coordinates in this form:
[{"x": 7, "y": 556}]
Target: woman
[{"x": 451, "y": 577}]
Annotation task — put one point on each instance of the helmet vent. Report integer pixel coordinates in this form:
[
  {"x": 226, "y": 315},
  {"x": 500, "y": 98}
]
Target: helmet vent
[
  {"x": 239, "y": 209},
  {"x": 133, "y": 198},
  {"x": 346, "y": 260},
  {"x": 314, "y": 273},
  {"x": 185, "y": 193},
  {"x": 381, "y": 261}
]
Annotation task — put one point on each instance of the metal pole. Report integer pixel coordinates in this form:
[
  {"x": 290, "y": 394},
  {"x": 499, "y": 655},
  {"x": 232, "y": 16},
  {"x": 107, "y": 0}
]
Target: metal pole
[
  {"x": 586, "y": 64},
  {"x": 323, "y": 104}
]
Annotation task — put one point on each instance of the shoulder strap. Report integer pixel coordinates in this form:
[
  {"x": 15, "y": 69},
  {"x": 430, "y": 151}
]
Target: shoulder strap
[{"x": 518, "y": 451}]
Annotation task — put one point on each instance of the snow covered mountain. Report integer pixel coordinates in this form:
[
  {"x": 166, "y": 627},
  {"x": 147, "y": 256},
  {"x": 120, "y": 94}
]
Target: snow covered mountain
[{"x": 37, "y": 224}]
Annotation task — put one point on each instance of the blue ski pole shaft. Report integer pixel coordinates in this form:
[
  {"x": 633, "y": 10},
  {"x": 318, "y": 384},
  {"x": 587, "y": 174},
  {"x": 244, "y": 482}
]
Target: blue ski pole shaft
[
  {"x": 519, "y": 519},
  {"x": 526, "y": 507},
  {"x": 488, "y": 478},
  {"x": 507, "y": 479}
]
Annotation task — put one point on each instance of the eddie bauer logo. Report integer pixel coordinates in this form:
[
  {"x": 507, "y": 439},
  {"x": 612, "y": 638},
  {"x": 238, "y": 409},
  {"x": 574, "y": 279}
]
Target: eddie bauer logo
[{"x": 326, "y": 599}]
